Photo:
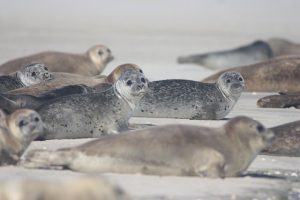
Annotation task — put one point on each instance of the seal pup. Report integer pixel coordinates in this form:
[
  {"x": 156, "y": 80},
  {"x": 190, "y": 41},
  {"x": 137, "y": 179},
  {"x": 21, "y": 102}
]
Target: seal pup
[
  {"x": 94, "y": 114},
  {"x": 64, "y": 79},
  {"x": 275, "y": 75},
  {"x": 283, "y": 100},
  {"x": 29, "y": 75},
  {"x": 82, "y": 188},
  {"x": 90, "y": 63},
  {"x": 177, "y": 150},
  {"x": 256, "y": 52},
  {"x": 191, "y": 99},
  {"x": 286, "y": 141},
  {"x": 17, "y": 130}
]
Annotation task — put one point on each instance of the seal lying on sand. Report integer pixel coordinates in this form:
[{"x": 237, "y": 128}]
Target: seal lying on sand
[
  {"x": 283, "y": 100},
  {"x": 179, "y": 150},
  {"x": 191, "y": 99},
  {"x": 61, "y": 80},
  {"x": 275, "y": 75},
  {"x": 16, "y": 133},
  {"x": 287, "y": 140},
  {"x": 282, "y": 47},
  {"x": 256, "y": 52},
  {"x": 83, "y": 188},
  {"x": 29, "y": 75},
  {"x": 94, "y": 114},
  {"x": 90, "y": 63}
]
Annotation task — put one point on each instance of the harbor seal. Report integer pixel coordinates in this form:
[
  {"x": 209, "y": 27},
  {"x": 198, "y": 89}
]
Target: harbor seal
[
  {"x": 176, "y": 150},
  {"x": 62, "y": 79},
  {"x": 90, "y": 63},
  {"x": 283, "y": 100},
  {"x": 283, "y": 47},
  {"x": 82, "y": 188},
  {"x": 94, "y": 114},
  {"x": 287, "y": 140},
  {"x": 191, "y": 99},
  {"x": 17, "y": 130},
  {"x": 249, "y": 54},
  {"x": 275, "y": 75},
  {"x": 29, "y": 75}
]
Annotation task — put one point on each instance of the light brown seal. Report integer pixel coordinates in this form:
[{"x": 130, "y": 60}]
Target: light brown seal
[
  {"x": 83, "y": 188},
  {"x": 16, "y": 133},
  {"x": 283, "y": 47},
  {"x": 90, "y": 63},
  {"x": 275, "y": 75},
  {"x": 179, "y": 150}
]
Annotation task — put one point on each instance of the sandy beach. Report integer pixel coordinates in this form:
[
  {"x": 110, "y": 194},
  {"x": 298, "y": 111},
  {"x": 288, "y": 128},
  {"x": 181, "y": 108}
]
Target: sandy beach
[{"x": 153, "y": 34}]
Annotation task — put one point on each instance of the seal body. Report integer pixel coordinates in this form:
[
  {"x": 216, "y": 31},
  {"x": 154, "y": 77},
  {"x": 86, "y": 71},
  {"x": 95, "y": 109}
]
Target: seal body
[
  {"x": 283, "y": 47},
  {"x": 94, "y": 114},
  {"x": 191, "y": 99},
  {"x": 256, "y": 52},
  {"x": 16, "y": 132},
  {"x": 90, "y": 63},
  {"x": 275, "y": 75},
  {"x": 280, "y": 101},
  {"x": 179, "y": 150}
]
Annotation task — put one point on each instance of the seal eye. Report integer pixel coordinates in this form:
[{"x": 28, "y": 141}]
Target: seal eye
[
  {"x": 22, "y": 123},
  {"x": 36, "y": 119},
  {"x": 141, "y": 71},
  {"x": 240, "y": 79},
  {"x": 46, "y": 68},
  {"x": 129, "y": 83},
  {"x": 100, "y": 53},
  {"x": 228, "y": 81},
  {"x": 143, "y": 80},
  {"x": 33, "y": 74},
  {"x": 260, "y": 128}
]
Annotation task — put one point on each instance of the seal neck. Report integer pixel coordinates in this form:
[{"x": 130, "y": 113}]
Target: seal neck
[
  {"x": 120, "y": 96},
  {"x": 20, "y": 79}
]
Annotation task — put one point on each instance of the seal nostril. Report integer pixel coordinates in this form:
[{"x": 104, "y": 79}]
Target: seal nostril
[
  {"x": 129, "y": 83},
  {"x": 240, "y": 79},
  {"x": 143, "y": 80}
]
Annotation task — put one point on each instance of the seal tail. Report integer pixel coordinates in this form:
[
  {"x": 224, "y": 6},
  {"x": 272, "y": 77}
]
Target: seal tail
[{"x": 45, "y": 159}]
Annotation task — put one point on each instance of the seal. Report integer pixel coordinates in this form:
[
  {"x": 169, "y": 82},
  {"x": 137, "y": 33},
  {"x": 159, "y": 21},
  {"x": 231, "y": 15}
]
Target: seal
[
  {"x": 287, "y": 140},
  {"x": 177, "y": 150},
  {"x": 283, "y": 47},
  {"x": 191, "y": 99},
  {"x": 78, "y": 189},
  {"x": 29, "y": 75},
  {"x": 17, "y": 130},
  {"x": 249, "y": 54},
  {"x": 283, "y": 100},
  {"x": 63, "y": 79},
  {"x": 275, "y": 75},
  {"x": 90, "y": 63},
  {"x": 94, "y": 114}
]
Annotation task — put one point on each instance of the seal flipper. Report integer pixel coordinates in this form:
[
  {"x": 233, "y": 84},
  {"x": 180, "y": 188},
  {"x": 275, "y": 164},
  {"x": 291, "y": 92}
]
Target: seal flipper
[{"x": 7, "y": 104}]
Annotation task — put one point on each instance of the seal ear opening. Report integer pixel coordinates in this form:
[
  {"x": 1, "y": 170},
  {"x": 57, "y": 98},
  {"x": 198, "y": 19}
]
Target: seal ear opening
[{"x": 7, "y": 105}]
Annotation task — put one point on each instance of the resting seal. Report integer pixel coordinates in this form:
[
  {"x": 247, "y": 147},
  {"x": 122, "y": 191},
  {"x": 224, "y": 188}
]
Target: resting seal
[
  {"x": 16, "y": 133},
  {"x": 90, "y": 63},
  {"x": 191, "y": 99},
  {"x": 29, "y": 75},
  {"x": 275, "y": 75},
  {"x": 177, "y": 150},
  {"x": 94, "y": 114},
  {"x": 256, "y": 52},
  {"x": 283, "y": 100}
]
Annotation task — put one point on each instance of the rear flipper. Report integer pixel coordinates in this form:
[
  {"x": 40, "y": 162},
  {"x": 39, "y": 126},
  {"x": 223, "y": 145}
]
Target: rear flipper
[
  {"x": 47, "y": 159},
  {"x": 7, "y": 104}
]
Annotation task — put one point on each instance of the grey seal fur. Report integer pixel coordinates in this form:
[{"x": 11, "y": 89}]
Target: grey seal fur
[
  {"x": 177, "y": 150},
  {"x": 191, "y": 99},
  {"x": 89, "y": 63},
  {"x": 94, "y": 114},
  {"x": 29, "y": 75}
]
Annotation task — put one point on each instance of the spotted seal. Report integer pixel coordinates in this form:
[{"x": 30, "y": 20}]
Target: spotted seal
[
  {"x": 29, "y": 75},
  {"x": 191, "y": 99},
  {"x": 249, "y": 54},
  {"x": 17, "y": 130},
  {"x": 179, "y": 150},
  {"x": 90, "y": 63},
  {"x": 280, "y": 74},
  {"x": 94, "y": 114}
]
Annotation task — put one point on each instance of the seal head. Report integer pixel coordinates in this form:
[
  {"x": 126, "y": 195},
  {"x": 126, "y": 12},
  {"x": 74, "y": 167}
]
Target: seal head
[
  {"x": 231, "y": 84},
  {"x": 33, "y": 74},
  {"x": 100, "y": 55}
]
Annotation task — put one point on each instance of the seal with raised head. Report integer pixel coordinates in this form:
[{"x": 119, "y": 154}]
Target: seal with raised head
[
  {"x": 256, "y": 52},
  {"x": 275, "y": 75},
  {"x": 62, "y": 79},
  {"x": 17, "y": 130},
  {"x": 283, "y": 100},
  {"x": 90, "y": 63},
  {"x": 177, "y": 150},
  {"x": 191, "y": 99},
  {"x": 94, "y": 114},
  {"x": 82, "y": 188},
  {"x": 29, "y": 75}
]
